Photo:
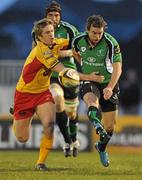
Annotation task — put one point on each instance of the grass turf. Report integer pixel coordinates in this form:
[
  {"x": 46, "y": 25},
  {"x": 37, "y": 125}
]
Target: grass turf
[{"x": 19, "y": 165}]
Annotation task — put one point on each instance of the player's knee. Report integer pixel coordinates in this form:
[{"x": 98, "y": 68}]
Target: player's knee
[
  {"x": 60, "y": 104},
  {"x": 91, "y": 100},
  {"x": 49, "y": 129},
  {"x": 71, "y": 108},
  {"x": 60, "y": 107},
  {"x": 59, "y": 100},
  {"x": 109, "y": 128},
  {"x": 22, "y": 139},
  {"x": 56, "y": 90},
  {"x": 94, "y": 113}
]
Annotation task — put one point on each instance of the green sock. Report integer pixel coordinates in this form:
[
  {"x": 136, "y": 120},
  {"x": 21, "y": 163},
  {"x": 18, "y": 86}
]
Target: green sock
[
  {"x": 73, "y": 128},
  {"x": 94, "y": 115}
]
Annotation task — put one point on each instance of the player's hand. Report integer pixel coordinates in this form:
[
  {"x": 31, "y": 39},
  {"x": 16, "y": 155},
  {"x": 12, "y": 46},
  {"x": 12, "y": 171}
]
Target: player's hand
[
  {"x": 77, "y": 56},
  {"x": 107, "y": 93},
  {"x": 94, "y": 76}
]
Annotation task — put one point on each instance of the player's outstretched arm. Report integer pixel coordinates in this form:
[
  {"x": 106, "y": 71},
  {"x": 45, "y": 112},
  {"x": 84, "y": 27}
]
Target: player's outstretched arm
[
  {"x": 59, "y": 67},
  {"x": 65, "y": 53}
]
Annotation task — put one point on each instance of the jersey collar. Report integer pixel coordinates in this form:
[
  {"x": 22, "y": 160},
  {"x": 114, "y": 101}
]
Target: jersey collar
[
  {"x": 89, "y": 44},
  {"x": 43, "y": 44}
]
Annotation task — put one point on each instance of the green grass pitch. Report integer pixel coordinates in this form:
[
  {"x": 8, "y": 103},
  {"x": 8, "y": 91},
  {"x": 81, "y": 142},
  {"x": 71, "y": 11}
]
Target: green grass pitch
[{"x": 19, "y": 165}]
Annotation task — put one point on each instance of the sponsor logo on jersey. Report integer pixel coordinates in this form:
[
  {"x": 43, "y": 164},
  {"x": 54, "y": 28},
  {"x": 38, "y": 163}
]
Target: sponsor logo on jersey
[
  {"x": 47, "y": 53},
  {"x": 83, "y": 49},
  {"x": 91, "y": 59},
  {"x": 93, "y": 64},
  {"x": 116, "y": 49}
]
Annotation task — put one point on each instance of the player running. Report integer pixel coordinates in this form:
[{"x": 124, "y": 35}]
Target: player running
[{"x": 32, "y": 93}]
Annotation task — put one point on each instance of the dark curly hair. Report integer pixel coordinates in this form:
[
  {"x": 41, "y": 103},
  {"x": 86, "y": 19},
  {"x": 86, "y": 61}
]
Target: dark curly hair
[
  {"x": 53, "y": 6},
  {"x": 96, "y": 21}
]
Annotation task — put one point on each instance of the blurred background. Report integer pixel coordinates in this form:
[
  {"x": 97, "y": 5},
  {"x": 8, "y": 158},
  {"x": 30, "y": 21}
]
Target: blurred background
[{"x": 124, "y": 18}]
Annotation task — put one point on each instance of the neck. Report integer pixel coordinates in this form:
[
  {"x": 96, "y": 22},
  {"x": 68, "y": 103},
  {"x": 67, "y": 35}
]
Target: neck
[{"x": 91, "y": 44}]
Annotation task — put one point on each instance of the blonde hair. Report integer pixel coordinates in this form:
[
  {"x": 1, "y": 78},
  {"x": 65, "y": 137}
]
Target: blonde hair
[{"x": 38, "y": 27}]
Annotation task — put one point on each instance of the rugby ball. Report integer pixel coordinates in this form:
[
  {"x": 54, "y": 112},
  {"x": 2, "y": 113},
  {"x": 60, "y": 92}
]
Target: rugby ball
[{"x": 69, "y": 77}]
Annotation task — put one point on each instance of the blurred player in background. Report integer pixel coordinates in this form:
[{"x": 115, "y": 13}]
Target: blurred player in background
[
  {"x": 66, "y": 99},
  {"x": 97, "y": 51},
  {"x": 32, "y": 90}
]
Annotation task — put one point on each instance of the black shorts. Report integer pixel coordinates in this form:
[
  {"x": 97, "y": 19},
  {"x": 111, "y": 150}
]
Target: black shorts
[
  {"x": 69, "y": 93},
  {"x": 97, "y": 89}
]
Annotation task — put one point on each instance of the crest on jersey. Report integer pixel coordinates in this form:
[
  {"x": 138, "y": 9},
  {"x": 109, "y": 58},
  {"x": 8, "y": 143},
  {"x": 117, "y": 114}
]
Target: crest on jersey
[{"x": 100, "y": 52}]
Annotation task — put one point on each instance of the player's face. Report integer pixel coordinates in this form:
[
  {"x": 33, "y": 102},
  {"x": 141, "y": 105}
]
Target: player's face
[
  {"x": 95, "y": 34},
  {"x": 47, "y": 35},
  {"x": 55, "y": 17}
]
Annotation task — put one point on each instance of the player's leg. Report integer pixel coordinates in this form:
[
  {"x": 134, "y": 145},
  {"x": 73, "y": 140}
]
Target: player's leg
[
  {"x": 71, "y": 109},
  {"x": 22, "y": 114},
  {"x": 109, "y": 119},
  {"x": 46, "y": 113},
  {"x": 94, "y": 113},
  {"x": 21, "y": 129},
  {"x": 91, "y": 95},
  {"x": 95, "y": 117},
  {"x": 110, "y": 112},
  {"x": 61, "y": 116}
]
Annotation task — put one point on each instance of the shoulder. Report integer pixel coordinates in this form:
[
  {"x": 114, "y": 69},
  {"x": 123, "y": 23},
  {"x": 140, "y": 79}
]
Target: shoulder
[
  {"x": 80, "y": 37},
  {"x": 60, "y": 40},
  {"x": 68, "y": 26},
  {"x": 41, "y": 50},
  {"x": 110, "y": 38},
  {"x": 36, "y": 51},
  {"x": 113, "y": 44}
]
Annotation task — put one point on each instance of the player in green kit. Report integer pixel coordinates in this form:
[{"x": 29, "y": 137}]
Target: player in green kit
[
  {"x": 97, "y": 51},
  {"x": 66, "y": 99}
]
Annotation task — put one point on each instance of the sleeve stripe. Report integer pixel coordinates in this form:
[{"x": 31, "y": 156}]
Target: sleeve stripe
[{"x": 54, "y": 65}]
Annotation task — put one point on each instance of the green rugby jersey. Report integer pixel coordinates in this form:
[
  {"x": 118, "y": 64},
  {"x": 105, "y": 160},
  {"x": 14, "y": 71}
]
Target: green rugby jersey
[
  {"x": 99, "y": 58},
  {"x": 67, "y": 31}
]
